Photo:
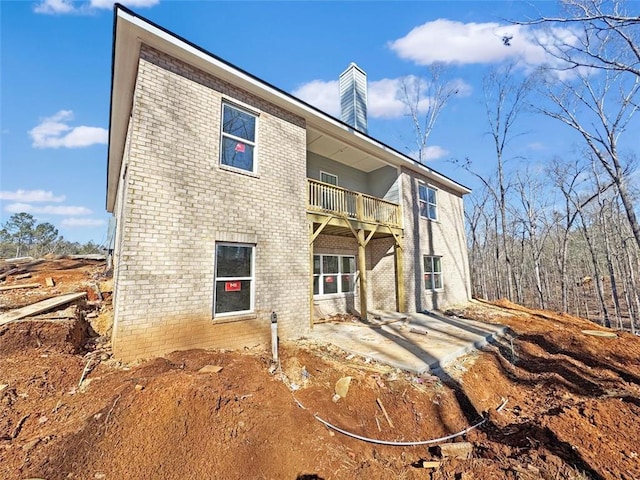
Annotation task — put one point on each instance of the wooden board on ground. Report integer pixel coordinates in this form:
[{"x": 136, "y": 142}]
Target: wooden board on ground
[
  {"x": 39, "y": 307},
  {"x": 23, "y": 285},
  {"x": 599, "y": 333}
]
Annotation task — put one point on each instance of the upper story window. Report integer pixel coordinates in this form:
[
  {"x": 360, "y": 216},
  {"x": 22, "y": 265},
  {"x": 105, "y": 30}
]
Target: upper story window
[
  {"x": 238, "y": 138},
  {"x": 428, "y": 201},
  {"x": 328, "y": 178}
]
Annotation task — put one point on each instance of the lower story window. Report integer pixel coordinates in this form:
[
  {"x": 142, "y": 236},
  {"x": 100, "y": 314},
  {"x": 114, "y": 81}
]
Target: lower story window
[
  {"x": 432, "y": 272},
  {"x": 234, "y": 278},
  {"x": 333, "y": 274}
]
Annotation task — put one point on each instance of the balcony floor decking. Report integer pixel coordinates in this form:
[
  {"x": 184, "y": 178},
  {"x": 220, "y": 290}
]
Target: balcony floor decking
[{"x": 340, "y": 226}]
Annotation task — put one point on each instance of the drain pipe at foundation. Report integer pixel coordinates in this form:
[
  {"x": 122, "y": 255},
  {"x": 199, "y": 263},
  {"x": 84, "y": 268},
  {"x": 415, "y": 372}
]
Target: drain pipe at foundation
[{"x": 274, "y": 336}]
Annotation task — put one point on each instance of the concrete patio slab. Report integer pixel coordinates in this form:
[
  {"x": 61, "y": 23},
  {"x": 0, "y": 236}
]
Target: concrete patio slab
[{"x": 394, "y": 340}]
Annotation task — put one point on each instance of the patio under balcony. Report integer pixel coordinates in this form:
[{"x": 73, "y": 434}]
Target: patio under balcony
[{"x": 333, "y": 210}]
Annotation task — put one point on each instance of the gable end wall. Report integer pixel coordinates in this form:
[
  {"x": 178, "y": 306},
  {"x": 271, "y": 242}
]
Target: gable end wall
[{"x": 179, "y": 201}]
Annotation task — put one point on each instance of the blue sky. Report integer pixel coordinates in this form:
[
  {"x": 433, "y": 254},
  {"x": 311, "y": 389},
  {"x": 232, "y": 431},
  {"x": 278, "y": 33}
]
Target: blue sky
[{"x": 56, "y": 66}]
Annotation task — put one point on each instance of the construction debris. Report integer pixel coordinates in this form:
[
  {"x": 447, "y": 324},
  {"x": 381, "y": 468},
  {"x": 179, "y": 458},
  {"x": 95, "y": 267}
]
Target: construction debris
[
  {"x": 599, "y": 333},
  {"x": 11, "y": 271},
  {"x": 459, "y": 450},
  {"x": 384, "y": 412},
  {"x": 342, "y": 388},
  {"x": 50, "y": 282},
  {"x": 23, "y": 285},
  {"x": 418, "y": 330},
  {"x": 39, "y": 307},
  {"x": 210, "y": 369},
  {"x": 88, "y": 256}
]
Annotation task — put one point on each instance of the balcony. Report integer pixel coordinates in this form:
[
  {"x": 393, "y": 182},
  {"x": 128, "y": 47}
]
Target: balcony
[{"x": 327, "y": 199}]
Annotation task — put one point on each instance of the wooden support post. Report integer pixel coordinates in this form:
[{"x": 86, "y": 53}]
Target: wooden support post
[
  {"x": 362, "y": 268},
  {"x": 400, "y": 296},
  {"x": 360, "y": 207}
]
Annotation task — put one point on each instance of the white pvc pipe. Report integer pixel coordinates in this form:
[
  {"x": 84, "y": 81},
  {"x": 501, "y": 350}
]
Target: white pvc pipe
[
  {"x": 402, "y": 444},
  {"x": 274, "y": 338}
]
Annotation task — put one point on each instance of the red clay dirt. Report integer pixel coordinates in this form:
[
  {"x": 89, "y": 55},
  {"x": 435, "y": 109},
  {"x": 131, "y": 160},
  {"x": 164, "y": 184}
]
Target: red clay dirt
[{"x": 572, "y": 411}]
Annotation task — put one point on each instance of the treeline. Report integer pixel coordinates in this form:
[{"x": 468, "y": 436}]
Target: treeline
[
  {"x": 22, "y": 236},
  {"x": 582, "y": 259},
  {"x": 566, "y": 236}
]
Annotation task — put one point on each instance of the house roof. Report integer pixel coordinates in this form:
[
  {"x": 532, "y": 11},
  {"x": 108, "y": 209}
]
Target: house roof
[{"x": 131, "y": 30}]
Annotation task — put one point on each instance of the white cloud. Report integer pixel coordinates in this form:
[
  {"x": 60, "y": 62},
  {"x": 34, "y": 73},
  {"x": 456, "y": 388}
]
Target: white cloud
[
  {"x": 433, "y": 152},
  {"x": 54, "y": 132},
  {"x": 384, "y": 97},
  {"x": 82, "y": 222},
  {"x": 453, "y": 42},
  {"x": 56, "y": 7},
  {"x": 47, "y": 209},
  {"x": 322, "y": 95},
  {"x": 27, "y": 196},
  {"x": 52, "y": 7}
]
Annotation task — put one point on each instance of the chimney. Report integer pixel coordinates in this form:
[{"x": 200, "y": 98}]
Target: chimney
[{"x": 353, "y": 97}]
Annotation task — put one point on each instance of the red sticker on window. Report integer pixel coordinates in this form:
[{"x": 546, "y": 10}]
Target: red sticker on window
[
  {"x": 329, "y": 279},
  {"x": 240, "y": 147},
  {"x": 232, "y": 286}
]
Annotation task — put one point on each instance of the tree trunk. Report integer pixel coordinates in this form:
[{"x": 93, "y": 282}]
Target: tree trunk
[{"x": 597, "y": 276}]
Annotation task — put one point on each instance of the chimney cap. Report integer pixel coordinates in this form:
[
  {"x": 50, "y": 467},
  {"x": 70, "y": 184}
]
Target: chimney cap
[{"x": 353, "y": 65}]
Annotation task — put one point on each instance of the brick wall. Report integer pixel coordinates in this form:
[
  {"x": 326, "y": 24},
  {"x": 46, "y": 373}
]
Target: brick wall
[
  {"x": 178, "y": 201},
  {"x": 381, "y": 293},
  {"x": 382, "y": 278},
  {"x": 444, "y": 237}
]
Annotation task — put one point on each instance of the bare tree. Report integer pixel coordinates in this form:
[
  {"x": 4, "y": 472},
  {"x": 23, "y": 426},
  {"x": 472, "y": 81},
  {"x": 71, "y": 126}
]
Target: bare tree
[
  {"x": 599, "y": 96},
  {"x": 534, "y": 203},
  {"x": 599, "y": 108},
  {"x": 505, "y": 97},
  {"x": 477, "y": 224},
  {"x": 598, "y": 24},
  {"x": 566, "y": 178},
  {"x": 425, "y": 99}
]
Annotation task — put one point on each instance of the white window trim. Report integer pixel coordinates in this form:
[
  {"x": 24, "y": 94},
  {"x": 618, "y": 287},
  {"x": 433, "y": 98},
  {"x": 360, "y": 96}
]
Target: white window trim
[
  {"x": 427, "y": 203},
  {"x": 224, "y": 135},
  {"x": 339, "y": 275},
  {"x": 252, "y": 278},
  {"x": 424, "y": 273},
  {"x": 329, "y": 174}
]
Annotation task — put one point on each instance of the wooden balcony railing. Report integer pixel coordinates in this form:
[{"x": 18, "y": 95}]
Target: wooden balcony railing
[{"x": 327, "y": 198}]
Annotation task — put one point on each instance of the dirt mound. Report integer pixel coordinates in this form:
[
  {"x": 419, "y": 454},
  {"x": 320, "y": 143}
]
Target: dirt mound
[
  {"x": 572, "y": 411},
  {"x": 61, "y": 336},
  {"x": 572, "y": 397}
]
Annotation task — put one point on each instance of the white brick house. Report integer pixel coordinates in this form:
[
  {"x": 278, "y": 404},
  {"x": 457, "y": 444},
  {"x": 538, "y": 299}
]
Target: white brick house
[{"x": 233, "y": 200}]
